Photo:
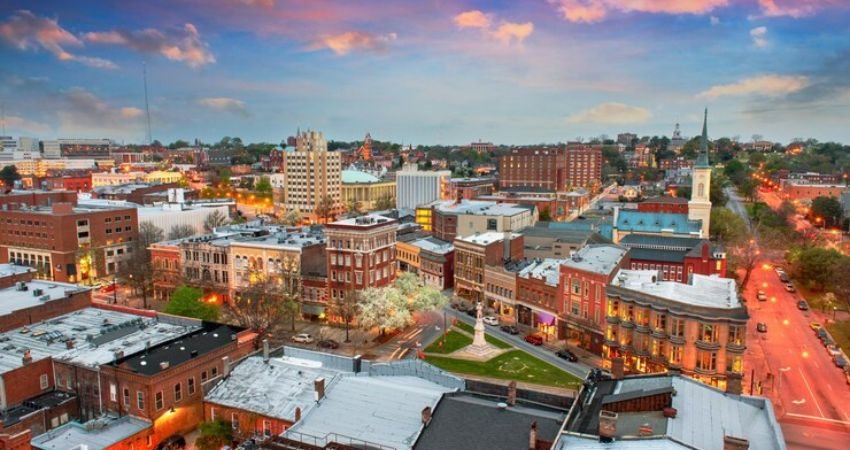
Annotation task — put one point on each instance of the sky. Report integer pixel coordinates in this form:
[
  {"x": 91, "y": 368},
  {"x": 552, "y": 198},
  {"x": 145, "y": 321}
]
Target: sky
[{"x": 425, "y": 71}]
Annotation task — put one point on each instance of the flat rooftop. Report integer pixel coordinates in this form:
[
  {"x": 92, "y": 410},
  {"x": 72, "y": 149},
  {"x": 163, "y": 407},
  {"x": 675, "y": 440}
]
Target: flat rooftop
[
  {"x": 367, "y": 221},
  {"x": 382, "y": 410},
  {"x": 12, "y": 299},
  {"x": 597, "y": 258},
  {"x": 8, "y": 270},
  {"x": 547, "y": 269},
  {"x": 97, "y": 334},
  {"x": 274, "y": 388},
  {"x": 434, "y": 245},
  {"x": 703, "y": 290},
  {"x": 104, "y": 433},
  {"x": 210, "y": 336},
  {"x": 704, "y": 415},
  {"x": 480, "y": 208},
  {"x": 486, "y": 238}
]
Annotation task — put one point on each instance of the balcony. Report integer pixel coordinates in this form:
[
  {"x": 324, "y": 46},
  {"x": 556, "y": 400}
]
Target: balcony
[
  {"x": 704, "y": 345},
  {"x": 702, "y": 371},
  {"x": 612, "y": 319},
  {"x": 627, "y": 324},
  {"x": 658, "y": 359},
  {"x": 660, "y": 334},
  {"x": 613, "y": 343},
  {"x": 643, "y": 329},
  {"x": 641, "y": 352},
  {"x": 677, "y": 339},
  {"x": 733, "y": 347}
]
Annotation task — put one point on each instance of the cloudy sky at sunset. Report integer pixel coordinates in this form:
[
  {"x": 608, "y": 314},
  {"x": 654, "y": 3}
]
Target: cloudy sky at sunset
[{"x": 425, "y": 71}]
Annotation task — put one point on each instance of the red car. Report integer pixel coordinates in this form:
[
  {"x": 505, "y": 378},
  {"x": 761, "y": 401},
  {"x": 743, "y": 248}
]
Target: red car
[{"x": 534, "y": 339}]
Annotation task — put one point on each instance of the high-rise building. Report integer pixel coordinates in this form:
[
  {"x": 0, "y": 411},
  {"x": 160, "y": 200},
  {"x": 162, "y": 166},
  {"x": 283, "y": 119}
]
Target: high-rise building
[
  {"x": 360, "y": 254},
  {"x": 584, "y": 166},
  {"x": 699, "y": 208},
  {"x": 551, "y": 169},
  {"x": 77, "y": 148},
  {"x": 416, "y": 187},
  {"x": 313, "y": 179}
]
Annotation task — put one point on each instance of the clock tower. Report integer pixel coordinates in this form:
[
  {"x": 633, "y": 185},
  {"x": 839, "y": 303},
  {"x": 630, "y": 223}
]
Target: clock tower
[{"x": 699, "y": 207}]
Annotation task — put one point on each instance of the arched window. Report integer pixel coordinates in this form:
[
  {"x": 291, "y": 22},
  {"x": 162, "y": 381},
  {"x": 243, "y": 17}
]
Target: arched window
[{"x": 700, "y": 190}]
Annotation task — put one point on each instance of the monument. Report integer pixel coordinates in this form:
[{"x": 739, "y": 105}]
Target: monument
[{"x": 480, "y": 349}]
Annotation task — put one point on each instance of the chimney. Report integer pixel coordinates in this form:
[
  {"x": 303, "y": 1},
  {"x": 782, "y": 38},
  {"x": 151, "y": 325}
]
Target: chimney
[
  {"x": 532, "y": 436},
  {"x": 120, "y": 354},
  {"x": 319, "y": 387},
  {"x": 734, "y": 443},
  {"x": 164, "y": 365},
  {"x": 607, "y": 424},
  {"x": 147, "y": 347},
  {"x": 69, "y": 344},
  {"x": 426, "y": 416},
  {"x": 734, "y": 384},
  {"x": 357, "y": 364},
  {"x": 297, "y": 413},
  {"x": 512, "y": 393},
  {"x": 618, "y": 369},
  {"x": 27, "y": 357},
  {"x": 265, "y": 350},
  {"x": 226, "y": 363}
]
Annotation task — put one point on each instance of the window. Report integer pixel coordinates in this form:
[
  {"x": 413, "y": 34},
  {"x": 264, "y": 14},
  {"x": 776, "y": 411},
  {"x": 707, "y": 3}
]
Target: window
[
  {"x": 736, "y": 335},
  {"x": 113, "y": 392},
  {"x": 234, "y": 421},
  {"x": 707, "y": 360},
  {"x": 214, "y": 372},
  {"x": 126, "y": 397},
  {"x": 734, "y": 363},
  {"x": 191, "y": 385},
  {"x": 708, "y": 333},
  {"x": 140, "y": 399},
  {"x": 491, "y": 224},
  {"x": 203, "y": 376},
  {"x": 158, "y": 400},
  {"x": 677, "y": 328},
  {"x": 42, "y": 381},
  {"x": 676, "y": 354},
  {"x": 178, "y": 392},
  {"x": 212, "y": 414},
  {"x": 660, "y": 322}
]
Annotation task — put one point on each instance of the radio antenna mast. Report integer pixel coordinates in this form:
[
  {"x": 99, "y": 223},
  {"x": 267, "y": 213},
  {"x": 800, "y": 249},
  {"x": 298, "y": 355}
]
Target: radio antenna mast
[{"x": 148, "y": 136}]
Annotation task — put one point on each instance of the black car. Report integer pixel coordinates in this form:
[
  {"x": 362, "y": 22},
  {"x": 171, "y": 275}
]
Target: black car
[
  {"x": 472, "y": 311},
  {"x": 510, "y": 329},
  {"x": 328, "y": 343},
  {"x": 566, "y": 354},
  {"x": 172, "y": 443},
  {"x": 802, "y": 305}
]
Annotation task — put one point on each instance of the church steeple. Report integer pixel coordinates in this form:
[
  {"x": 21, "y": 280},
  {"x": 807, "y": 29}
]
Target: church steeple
[{"x": 702, "y": 159}]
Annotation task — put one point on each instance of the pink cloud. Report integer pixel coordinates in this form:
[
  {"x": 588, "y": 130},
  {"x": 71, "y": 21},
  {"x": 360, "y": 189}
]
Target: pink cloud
[
  {"x": 472, "y": 19},
  {"x": 795, "y": 8},
  {"x": 185, "y": 46},
  {"x": 344, "y": 43},
  {"x": 510, "y": 31},
  {"x": 590, "y": 11},
  {"x": 26, "y": 31}
]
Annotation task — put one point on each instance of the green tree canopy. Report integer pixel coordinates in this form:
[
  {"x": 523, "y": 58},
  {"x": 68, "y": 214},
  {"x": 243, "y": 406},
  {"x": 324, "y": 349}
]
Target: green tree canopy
[
  {"x": 828, "y": 209},
  {"x": 263, "y": 185},
  {"x": 9, "y": 174},
  {"x": 186, "y": 301},
  {"x": 727, "y": 226}
]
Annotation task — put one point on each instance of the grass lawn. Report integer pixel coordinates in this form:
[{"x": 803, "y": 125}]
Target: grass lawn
[
  {"x": 454, "y": 341},
  {"x": 840, "y": 331},
  {"x": 513, "y": 365},
  {"x": 493, "y": 340}
]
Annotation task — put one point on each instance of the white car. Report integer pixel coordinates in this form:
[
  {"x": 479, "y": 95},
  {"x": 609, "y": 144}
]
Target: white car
[
  {"x": 491, "y": 320},
  {"x": 303, "y": 338}
]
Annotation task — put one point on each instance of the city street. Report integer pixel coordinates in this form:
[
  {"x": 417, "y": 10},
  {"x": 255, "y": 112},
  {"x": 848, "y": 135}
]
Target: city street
[{"x": 790, "y": 362}]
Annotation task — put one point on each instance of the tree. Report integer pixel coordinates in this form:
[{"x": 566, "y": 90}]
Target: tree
[
  {"x": 828, "y": 209},
  {"x": 727, "y": 226},
  {"x": 744, "y": 255},
  {"x": 384, "y": 308},
  {"x": 292, "y": 218},
  {"x": 408, "y": 284},
  {"x": 9, "y": 174},
  {"x": 150, "y": 234},
  {"x": 181, "y": 231},
  {"x": 545, "y": 215},
  {"x": 325, "y": 209},
  {"x": 385, "y": 202},
  {"x": 263, "y": 185},
  {"x": 265, "y": 300},
  {"x": 178, "y": 144},
  {"x": 214, "y": 220},
  {"x": 214, "y": 435},
  {"x": 354, "y": 208},
  {"x": 815, "y": 265},
  {"x": 186, "y": 301},
  {"x": 429, "y": 299},
  {"x": 346, "y": 308}
]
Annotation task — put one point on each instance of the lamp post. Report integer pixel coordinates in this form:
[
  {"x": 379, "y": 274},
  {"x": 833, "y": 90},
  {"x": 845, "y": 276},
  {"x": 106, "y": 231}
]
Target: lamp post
[
  {"x": 781, "y": 371},
  {"x": 114, "y": 291}
]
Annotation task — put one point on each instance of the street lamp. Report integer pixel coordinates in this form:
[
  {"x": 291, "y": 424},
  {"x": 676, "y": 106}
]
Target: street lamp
[{"x": 781, "y": 371}]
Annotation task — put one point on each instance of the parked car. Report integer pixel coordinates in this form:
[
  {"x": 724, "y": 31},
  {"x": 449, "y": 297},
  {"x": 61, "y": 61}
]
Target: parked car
[
  {"x": 491, "y": 320},
  {"x": 821, "y": 332},
  {"x": 761, "y": 297},
  {"x": 172, "y": 443},
  {"x": 833, "y": 350},
  {"x": 534, "y": 339},
  {"x": 303, "y": 338},
  {"x": 472, "y": 311},
  {"x": 328, "y": 343},
  {"x": 802, "y": 305},
  {"x": 761, "y": 327},
  {"x": 784, "y": 277},
  {"x": 510, "y": 329},
  {"x": 840, "y": 361},
  {"x": 790, "y": 287},
  {"x": 815, "y": 325},
  {"x": 779, "y": 270},
  {"x": 566, "y": 354}
]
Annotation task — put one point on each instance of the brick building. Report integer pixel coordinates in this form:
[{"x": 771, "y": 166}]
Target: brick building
[
  {"x": 73, "y": 183},
  {"x": 698, "y": 329},
  {"x": 538, "y": 298},
  {"x": 455, "y": 218},
  {"x": 67, "y": 243},
  {"x": 167, "y": 273},
  {"x": 360, "y": 254},
  {"x": 19, "y": 199},
  {"x": 134, "y": 193},
  {"x": 428, "y": 257},
  {"x": 473, "y": 253},
  {"x": 470, "y": 188},
  {"x": 584, "y": 280},
  {"x": 673, "y": 205},
  {"x": 540, "y": 168},
  {"x": 676, "y": 258},
  {"x": 806, "y": 192}
]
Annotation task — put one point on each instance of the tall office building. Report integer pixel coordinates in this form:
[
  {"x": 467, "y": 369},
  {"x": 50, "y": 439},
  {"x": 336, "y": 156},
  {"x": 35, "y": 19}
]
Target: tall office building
[
  {"x": 312, "y": 173},
  {"x": 416, "y": 187},
  {"x": 551, "y": 169}
]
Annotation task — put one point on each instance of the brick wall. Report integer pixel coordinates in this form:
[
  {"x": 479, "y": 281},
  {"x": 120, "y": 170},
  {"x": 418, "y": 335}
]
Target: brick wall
[
  {"x": 25, "y": 381},
  {"x": 45, "y": 311}
]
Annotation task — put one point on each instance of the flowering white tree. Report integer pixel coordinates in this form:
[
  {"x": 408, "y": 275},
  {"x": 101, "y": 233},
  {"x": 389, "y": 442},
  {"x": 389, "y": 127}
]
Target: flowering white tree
[
  {"x": 383, "y": 308},
  {"x": 408, "y": 283},
  {"x": 428, "y": 299}
]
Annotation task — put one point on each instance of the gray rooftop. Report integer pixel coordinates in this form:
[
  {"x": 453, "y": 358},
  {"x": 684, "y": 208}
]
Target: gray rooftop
[
  {"x": 547, "y": 269},
  {"x": 597, "y": 258},
  {"x": 434, "y": 245},
  {"x": 95, "y": 435},
  {"x": 485, "y": 238},
  {"x": 480, "y": 207},
  {"x": 12, "y": 299},
  {"x": 703, "y": 290},
  {"x": 97, "y": 334}
]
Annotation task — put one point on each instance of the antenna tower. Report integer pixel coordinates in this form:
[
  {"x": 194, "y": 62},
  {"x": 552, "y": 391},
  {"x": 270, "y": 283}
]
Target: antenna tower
[{"x": 148, "y": 137}]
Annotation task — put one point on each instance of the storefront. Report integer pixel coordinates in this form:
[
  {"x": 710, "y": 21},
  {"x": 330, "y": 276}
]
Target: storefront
[{"x": 541, "y": 322}]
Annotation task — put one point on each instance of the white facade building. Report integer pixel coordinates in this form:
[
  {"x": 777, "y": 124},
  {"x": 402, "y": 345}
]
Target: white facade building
[{"x": 415, "y": 187}]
